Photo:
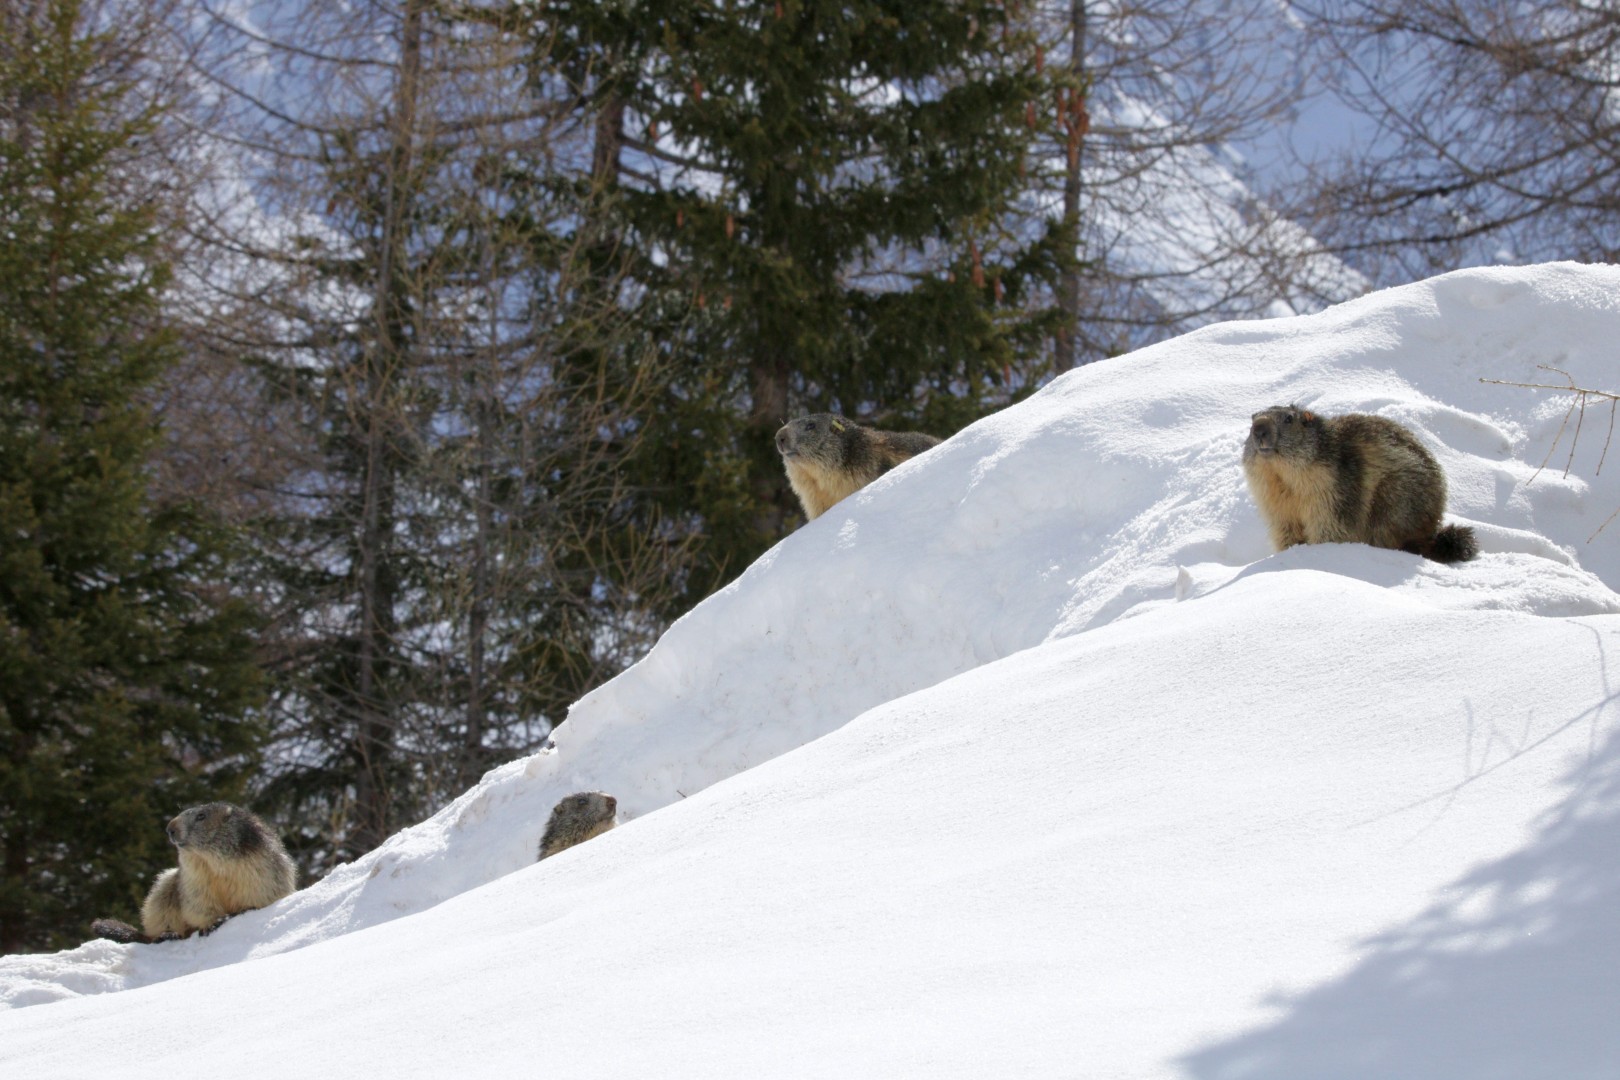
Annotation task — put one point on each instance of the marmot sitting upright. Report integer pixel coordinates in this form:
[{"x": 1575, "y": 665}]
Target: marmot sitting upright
[
  {"x": 230, "y": 861},
  {"x": 828, "y": 457},
  {"x": 576, "y": 818},
  {"x": 1352, "y": 478}
]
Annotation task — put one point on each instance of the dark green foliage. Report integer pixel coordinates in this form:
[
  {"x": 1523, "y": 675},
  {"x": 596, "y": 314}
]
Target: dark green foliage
[
  {"x": 125, "y": 673},
  {"x": 831, "y": 190}
]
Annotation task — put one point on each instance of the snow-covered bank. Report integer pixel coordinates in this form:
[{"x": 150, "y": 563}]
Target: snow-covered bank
[
  {"x": 1310, "y": 825},
  {"x": 1192, "y": 802}
]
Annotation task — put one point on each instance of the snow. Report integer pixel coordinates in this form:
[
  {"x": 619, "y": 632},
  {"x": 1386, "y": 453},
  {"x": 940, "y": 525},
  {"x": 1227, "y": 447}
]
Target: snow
[{"x": 1030, "y": 759}]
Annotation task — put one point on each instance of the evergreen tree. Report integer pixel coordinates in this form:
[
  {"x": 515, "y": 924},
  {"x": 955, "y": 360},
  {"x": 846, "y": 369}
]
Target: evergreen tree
[
  {"x": 125, "y": 673},
  {"x": 832, "y": 189}
]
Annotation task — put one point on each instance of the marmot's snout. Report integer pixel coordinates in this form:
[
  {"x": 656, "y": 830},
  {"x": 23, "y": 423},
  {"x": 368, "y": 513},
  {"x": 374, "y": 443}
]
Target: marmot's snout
[
  {"x": 1264, "y": 432},
  {"x": 784, "y": 440},
  {"x": 176, "y": 833}
]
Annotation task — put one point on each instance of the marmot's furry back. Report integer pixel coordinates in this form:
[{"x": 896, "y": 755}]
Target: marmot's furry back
[
  {"x": 828, "y": 457},
  {"x": 1352, "y": 478}
]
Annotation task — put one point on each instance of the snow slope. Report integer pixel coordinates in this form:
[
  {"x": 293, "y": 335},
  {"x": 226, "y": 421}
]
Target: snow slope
[{"x": 1186, "y": 809}]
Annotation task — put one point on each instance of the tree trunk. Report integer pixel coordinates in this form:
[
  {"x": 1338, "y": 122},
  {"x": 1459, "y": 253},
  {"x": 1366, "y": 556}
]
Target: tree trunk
[
  {"x": 385, "y": 363},
  {"x": 13, "y": 919},
  {"x": 768, "y": 391},
  {"x": 1069, "y": 286}
]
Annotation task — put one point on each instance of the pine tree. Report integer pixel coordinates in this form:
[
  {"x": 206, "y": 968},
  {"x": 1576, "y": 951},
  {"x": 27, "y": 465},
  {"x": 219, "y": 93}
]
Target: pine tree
[
  {"x": 831, "y": 190},
  {"x": 125, "y": 666}
]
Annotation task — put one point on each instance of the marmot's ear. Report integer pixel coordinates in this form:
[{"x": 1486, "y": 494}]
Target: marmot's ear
[{"x": 1308, "y": 417}]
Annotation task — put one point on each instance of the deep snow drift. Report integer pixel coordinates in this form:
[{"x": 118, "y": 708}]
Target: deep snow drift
[{"x": 1194, "y": 808}]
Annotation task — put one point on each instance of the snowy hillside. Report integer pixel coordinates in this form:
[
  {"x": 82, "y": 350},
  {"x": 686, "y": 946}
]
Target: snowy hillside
[{"x": 1187, "y": 807}]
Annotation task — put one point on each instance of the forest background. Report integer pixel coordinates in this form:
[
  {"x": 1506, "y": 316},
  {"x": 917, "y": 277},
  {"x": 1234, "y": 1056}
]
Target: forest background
[{"x": 376, "y": 379}]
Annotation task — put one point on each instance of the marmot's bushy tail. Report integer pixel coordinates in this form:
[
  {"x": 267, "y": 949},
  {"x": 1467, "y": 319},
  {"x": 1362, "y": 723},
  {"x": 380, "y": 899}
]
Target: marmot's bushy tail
[
  {"x": 119, "y": 931},
  {"x": 1453, "y": 544}
]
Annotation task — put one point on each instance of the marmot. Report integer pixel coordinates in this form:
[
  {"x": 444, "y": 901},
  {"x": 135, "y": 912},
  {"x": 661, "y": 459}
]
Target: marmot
[
  {"x": 1352, "y": 478},
  {"x": 828, "y": 457},
  {"x": 230, "y": 861},
  {"x": 577, "y": 818}
]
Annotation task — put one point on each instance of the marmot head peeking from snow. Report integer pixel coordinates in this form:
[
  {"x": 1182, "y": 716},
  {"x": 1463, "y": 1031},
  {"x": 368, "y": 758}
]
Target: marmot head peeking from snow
[
  {"x": 828, "y": 457},
  {"x": 576, "y": 818}
]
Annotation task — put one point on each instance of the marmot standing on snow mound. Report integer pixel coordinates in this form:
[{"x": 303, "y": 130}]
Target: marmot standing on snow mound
[
  {"x": 1349, "y": 479},
  {"x": 230, "y": 861},
  {"x": 577, "y": 818},
  {"x": 828, "y": 457}
]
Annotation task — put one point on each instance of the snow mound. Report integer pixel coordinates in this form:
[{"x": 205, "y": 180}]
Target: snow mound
[
  {"x": 1308, "y": 827},
  {"x": 1109, "y": 497}
]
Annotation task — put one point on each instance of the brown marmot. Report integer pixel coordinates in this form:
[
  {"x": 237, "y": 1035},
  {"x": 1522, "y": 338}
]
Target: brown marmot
[
  {"x": 577, "y": 818},
  {"x": 1352, "y": 478},
  {"x": 828, "y": 457},
  {"x": 230, "y": 861}
]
